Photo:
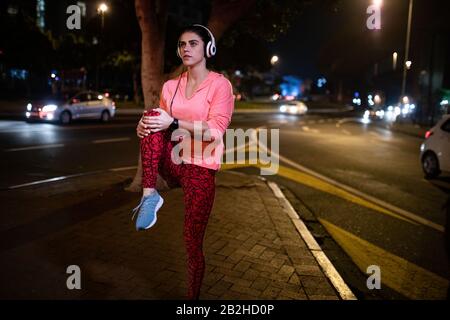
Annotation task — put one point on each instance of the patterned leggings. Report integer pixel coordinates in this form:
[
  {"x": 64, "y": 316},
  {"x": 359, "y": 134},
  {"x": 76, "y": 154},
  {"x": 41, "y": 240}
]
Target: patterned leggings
[{"x": 198, "y": 184}]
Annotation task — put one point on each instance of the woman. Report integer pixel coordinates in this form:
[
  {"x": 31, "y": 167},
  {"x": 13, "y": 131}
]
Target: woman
[{"x": 198, "y": 99}]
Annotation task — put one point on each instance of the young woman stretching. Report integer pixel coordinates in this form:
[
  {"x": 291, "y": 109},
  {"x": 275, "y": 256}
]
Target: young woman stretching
[{"x": 199, "y": 98}]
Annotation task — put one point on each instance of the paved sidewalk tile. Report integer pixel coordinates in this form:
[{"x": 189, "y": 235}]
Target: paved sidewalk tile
[{"x": 252, "y": 249}]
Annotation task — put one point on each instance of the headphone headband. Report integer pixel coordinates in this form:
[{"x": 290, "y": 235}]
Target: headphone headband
[{"x": 209, "y": 32}]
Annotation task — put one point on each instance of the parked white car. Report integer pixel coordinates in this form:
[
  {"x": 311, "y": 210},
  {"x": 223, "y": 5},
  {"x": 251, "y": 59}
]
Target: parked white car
[
  {"x": 435, "y": 150},
  {"x": 84, "y": 105}
]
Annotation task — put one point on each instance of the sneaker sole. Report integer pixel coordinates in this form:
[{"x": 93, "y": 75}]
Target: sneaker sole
[{"x": 158, "y": 206}]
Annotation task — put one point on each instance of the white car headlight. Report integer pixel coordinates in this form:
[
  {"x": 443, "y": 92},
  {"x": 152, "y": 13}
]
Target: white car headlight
[
  {"x": 293, "y": 109},
  {"x": 49, "y": 108},
  {"x": 283, "y": 108}
]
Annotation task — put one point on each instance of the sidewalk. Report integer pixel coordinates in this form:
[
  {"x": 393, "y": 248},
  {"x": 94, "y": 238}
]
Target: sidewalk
[{"x": 252, "y": 246}]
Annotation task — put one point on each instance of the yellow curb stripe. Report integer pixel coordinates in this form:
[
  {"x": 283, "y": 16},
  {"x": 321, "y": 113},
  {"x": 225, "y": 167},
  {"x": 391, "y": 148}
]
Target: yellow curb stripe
[
  {"x": 405, "y": 277},
  {"x": 318, "y": 184}
]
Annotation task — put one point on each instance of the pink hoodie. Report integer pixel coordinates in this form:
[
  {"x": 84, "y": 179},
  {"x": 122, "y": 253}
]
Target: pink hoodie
[{"x": 212, "y": 102}]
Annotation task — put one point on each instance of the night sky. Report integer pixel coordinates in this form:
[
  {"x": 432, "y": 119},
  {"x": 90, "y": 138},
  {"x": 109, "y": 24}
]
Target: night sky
[
  {"x": 299, "y": 48},
  {"x": 322, "y": 28}
]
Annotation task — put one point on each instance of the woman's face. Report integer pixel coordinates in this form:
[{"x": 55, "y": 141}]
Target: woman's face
[{"x": 192, "y": 48}]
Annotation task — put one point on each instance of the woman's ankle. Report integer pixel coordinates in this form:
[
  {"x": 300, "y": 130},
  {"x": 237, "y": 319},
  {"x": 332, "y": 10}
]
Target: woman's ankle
[{"x": 148, "y": 191}]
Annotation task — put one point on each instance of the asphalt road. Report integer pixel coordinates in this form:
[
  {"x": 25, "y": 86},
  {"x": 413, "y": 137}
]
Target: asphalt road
[{"x": 330, "y": 163}]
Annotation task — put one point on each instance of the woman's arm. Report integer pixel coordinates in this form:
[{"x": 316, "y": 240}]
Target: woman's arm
[
  {"x": 149, "y": 124},
  {"x": 219, "y": 117},
  {"x": 164, "y": 120}
]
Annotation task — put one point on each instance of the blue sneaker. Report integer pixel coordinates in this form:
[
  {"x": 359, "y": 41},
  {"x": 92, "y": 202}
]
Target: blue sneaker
[{"x": 147, "y": 209}]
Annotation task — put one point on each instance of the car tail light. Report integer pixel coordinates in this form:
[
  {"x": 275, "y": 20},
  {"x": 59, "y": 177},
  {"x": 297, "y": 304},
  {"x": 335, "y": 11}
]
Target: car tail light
[{"x": 428, "y": 134}]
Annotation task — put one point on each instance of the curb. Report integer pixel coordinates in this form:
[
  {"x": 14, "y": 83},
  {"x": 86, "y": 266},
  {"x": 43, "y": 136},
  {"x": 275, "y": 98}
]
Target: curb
[
  {"x": 418, "y": 135},
  {"x": 327, "y": 267}
]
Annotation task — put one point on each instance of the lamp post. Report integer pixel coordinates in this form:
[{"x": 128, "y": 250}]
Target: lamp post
[
  {"x": 394, "y": 60},
  {"x": 102, "y": 9},
  {"x": 407, "y": 63}
]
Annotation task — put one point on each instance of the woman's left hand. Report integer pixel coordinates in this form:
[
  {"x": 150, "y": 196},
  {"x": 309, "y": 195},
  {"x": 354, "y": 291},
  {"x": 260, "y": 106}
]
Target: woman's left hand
[{"x": 158, "y": 123}]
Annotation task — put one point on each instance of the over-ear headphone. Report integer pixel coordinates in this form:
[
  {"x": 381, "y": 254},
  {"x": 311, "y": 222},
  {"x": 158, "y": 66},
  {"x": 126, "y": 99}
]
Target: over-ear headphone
[{"x": 210, "y": 48}]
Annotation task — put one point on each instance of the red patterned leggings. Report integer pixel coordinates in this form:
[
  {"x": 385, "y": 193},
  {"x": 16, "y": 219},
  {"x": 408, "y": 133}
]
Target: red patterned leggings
[{"x": 198, "y": 184}]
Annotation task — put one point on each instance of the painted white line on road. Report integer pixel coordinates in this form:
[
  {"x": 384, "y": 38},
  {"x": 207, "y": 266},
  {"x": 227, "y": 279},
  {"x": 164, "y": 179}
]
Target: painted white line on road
[
  {"x": 57, "y": 128},
  {"x": 123, "y": 169},
  {"x": 38, "y": 182},
  {"x": 321, "y": 121},
  {"x": 345, "y": 120},
  {"x": 33, "y": 183},
  {"x": 45, "y": 146},
  {"x": 278, "y": 121},
  {"x": 346, "y": 132},
  {"x": 399, "y": 211},
  {"x": 111, "y": 140},
  {"x": 307, "y": 129},
  {"x": 311, "y": 121},
  {"x": 327, "y": 267}
]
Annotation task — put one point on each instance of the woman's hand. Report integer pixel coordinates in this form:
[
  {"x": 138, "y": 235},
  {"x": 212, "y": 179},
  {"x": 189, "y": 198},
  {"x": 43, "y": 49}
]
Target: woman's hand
[
  {"x": 158, "y": 123},
  {"x": 142, "y": 130}
]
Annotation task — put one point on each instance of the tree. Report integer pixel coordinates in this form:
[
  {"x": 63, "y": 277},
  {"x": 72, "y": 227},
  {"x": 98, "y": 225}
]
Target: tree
[
  {"x": 152, "y": 18},
  {"x": 127, "y": 61}
]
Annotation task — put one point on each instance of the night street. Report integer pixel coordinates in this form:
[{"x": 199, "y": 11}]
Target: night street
[
  {"x": 215, "y": 150},
  {"x": 369, "y": 158}
]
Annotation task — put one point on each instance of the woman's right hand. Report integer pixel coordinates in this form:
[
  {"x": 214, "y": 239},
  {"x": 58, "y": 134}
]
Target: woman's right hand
[{"x": 142, "y": 129}]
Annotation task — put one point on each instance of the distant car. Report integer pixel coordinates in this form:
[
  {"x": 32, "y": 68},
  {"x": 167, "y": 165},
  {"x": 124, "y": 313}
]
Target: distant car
[
  {"x": 293, "y": 107},
  {"x": 372, "y": 113},
  {"x": 84, "y": 105},
  {"x": 435, "y": 150}
]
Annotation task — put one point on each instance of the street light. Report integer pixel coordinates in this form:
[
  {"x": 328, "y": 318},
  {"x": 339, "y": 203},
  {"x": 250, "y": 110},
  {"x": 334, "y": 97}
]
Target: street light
[
  {"x": 405, "y": 100},
  {"x": 408, "y": 36},
  {"x": 102, "y": 8},
  {"x": 408, "y": 64},
  {"x": 274, "y": 60},
  {"x": 378, "y": 3},
  {"x": 394, "y": 60},
  {"x": 377, "y": 99}
]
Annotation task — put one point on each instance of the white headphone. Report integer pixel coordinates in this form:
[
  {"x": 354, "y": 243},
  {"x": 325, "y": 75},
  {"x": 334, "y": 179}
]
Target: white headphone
[{"x": 210, "y": 48}]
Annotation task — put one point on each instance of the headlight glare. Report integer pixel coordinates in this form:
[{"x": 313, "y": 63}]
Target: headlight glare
[{"x": 49, "y": 108}]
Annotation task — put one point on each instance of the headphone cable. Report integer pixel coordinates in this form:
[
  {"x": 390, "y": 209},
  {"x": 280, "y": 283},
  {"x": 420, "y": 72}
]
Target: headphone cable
[{"x": 173, "y": 97}]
